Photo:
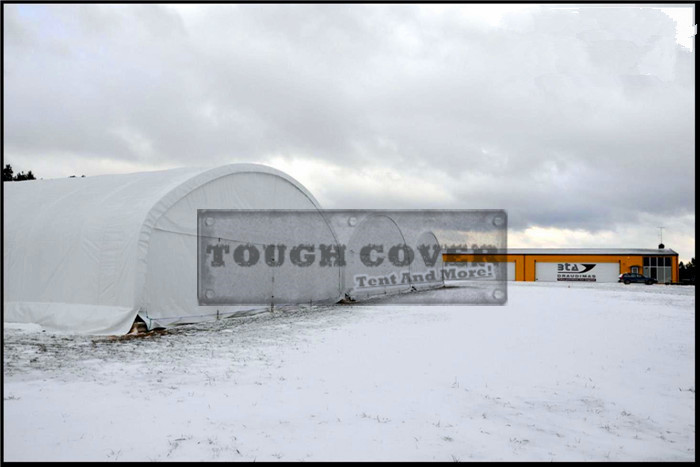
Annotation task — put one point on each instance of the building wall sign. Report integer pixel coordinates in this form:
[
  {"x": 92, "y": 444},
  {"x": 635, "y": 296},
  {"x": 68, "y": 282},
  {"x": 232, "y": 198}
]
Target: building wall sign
[{"x": 578, "y": 272}]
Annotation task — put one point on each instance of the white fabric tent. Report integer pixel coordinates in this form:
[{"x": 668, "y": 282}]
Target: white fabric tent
[
  {"x": 86, "y": 255},
  {"x": 431, "y": 275},
  {"x": 382, "y": 230}
]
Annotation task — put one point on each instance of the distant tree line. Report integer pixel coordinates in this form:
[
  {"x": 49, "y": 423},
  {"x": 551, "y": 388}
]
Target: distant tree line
[
  {"x": 686, "y": 272},
  {"x": 9, "y": 176}
]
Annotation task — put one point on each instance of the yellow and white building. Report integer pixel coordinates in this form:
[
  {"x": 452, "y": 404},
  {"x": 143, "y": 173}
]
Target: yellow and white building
[{"x": 576, "y": 264}]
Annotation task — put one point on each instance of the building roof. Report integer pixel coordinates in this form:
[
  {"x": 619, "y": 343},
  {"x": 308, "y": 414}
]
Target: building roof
[{"x": 570, "y": 251}]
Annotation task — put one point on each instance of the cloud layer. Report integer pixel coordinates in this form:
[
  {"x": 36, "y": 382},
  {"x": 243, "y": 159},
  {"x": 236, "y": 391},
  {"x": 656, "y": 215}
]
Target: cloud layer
[{"x": 573, "y": 119}]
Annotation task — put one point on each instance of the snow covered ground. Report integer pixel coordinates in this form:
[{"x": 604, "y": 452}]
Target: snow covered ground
[{"x": 604, "y": 372}]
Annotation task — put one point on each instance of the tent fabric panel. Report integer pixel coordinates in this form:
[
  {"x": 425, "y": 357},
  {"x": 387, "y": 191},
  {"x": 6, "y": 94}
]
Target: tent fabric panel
[
  {"x": 74, "y": 240},
  {"x": 72, "y": 318}
]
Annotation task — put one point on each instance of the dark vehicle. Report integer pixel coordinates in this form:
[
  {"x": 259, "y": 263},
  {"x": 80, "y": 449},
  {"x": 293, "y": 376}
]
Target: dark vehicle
[{"x": 630, "y": 277}]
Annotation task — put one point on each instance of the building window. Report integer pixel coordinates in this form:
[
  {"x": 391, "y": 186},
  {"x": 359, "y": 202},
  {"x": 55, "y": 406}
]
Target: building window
[
  {"x": 658, "y": 267},
  {"x": 634, "y": 269}
]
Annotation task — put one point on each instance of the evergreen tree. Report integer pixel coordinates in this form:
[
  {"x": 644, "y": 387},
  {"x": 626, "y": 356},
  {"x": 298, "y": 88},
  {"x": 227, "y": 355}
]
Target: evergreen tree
[
  {"x": 686, "y": 272},
  {"x": 7, "y": 173}
]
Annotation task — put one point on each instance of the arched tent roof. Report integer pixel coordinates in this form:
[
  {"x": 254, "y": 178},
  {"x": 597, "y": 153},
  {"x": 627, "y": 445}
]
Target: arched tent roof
[{"x": 76, "y": 250}]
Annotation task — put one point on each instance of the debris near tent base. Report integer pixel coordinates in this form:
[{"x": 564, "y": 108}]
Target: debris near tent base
[
  {"x": 139, "y": 327},
  {"x": 138, "y": 332},
  {"x": 346, "y": 300}
]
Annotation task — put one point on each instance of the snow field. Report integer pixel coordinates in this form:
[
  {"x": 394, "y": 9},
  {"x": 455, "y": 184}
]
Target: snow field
[{"x": 580, "y": 372}]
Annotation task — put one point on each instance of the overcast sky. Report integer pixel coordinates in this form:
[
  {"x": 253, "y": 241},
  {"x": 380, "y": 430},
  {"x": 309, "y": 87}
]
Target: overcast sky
[{"x": 578, "y": 121}]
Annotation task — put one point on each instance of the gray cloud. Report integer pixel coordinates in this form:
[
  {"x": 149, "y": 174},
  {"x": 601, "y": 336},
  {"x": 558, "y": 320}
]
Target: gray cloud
[{"x": 570, "y": 118}]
